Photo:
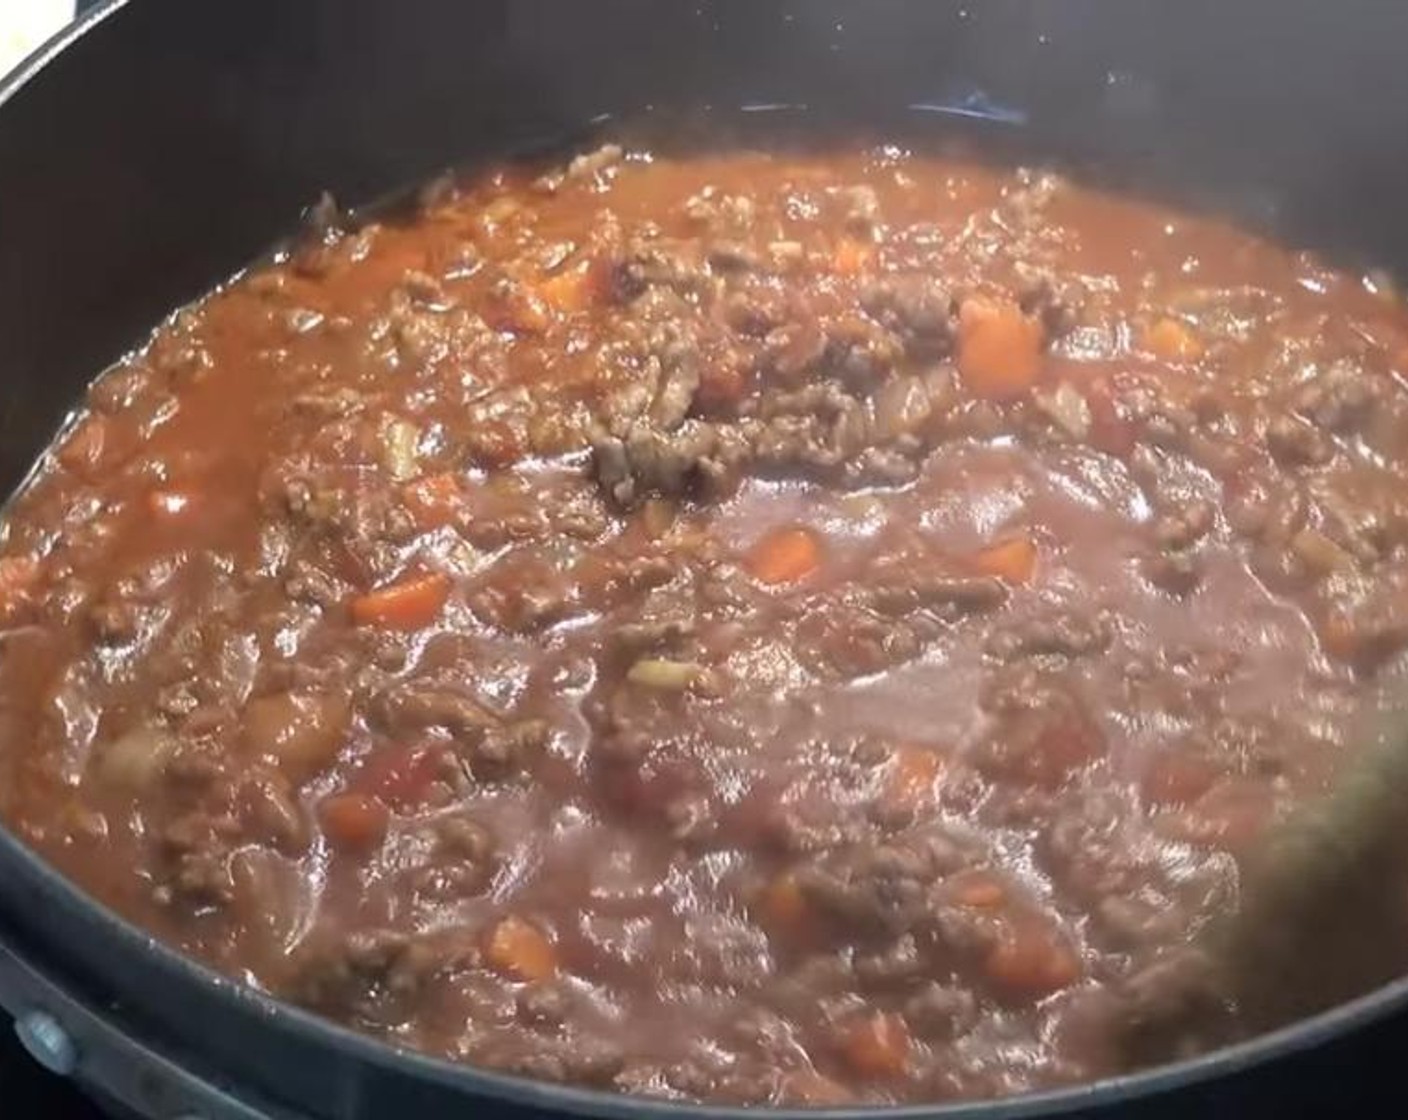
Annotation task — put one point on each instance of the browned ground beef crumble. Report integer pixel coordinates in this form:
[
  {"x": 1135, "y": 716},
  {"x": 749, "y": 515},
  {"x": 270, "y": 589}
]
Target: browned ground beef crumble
[{"x": 755, "y": 628}]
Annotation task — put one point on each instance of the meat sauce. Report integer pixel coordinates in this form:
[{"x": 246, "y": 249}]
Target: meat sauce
[{"x": 752, "y": 628}]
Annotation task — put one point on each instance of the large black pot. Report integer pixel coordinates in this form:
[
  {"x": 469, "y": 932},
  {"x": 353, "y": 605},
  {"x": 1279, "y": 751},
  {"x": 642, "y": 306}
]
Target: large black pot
[{"x": 156, "y": 146}]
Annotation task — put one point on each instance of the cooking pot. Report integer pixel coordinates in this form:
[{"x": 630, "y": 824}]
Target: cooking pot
[{"x": 157, "y": 145}]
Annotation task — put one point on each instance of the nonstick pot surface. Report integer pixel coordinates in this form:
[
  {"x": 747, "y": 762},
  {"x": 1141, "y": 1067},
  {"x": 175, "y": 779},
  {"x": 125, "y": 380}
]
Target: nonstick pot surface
[{"x": 160, "y": 149}]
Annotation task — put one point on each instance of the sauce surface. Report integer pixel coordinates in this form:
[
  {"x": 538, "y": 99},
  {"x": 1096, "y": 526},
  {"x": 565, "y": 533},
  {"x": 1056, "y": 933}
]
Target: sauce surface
[{"x": 755, "y": 628}]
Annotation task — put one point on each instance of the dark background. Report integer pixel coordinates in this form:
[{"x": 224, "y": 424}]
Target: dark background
[{"x": 24, "y": 1087}]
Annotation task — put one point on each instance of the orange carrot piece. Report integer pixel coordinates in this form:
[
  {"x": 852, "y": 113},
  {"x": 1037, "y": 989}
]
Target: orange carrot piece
[
  {"x": 568, "y": 291},
  {"x": 852, "y": 256},
  {"x": 433, "y": 499},
  {"x": 1029, "y": 963},
  {"x": 1174, "y": 341},
  {"x": 785, "y": 556},
  {"x": 353, "y": 823},
  {"x": 521, "y": 950},
  {"x": 913, "y": 771},
  {"x": 877, "y": 1046},
  {"x": 408, "y": 604},
  {"x": 1013, "y": 560},
  {"x": 999, "y": 348}
]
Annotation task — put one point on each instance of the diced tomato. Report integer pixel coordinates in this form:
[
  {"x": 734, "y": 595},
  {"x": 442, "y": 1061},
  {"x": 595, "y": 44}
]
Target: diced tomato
[
  {"x": 354, "y": 823},
  {"x": 786, "y": 912},
  {"x": 409, "y": 604},
  {"x": 913, "y": 772},
  {"x": 1109, "y": 431},
  {"x": 1175, "y": 777},
  {"x": 85, "y": 444},
  {"x": 433, "y": 500},
  {"x": 521, "y": 950},
  {"x": 570, "y": 290},
  {"x": 877, "y": 1046},
  {"x": 1173, "y": 340},
  {"x": 402, "y": 776},
  {"x": 521, "y": 310},
  {"x": 853, "y": 256},
  {"x": 978, "y": 890},
  {"x": 1044, "y": 750},
  {"x": 785, "y": 556},
  {"x": 1068, "y": 745},
  {"x": 722, "y": 385},
  {"x": 18, "y": 576},
  {"x": 1233, "y": 814},
  {"x": 496, "y": 445}
]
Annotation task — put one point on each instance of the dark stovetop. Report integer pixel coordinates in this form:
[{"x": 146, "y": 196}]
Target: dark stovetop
[
  {"x": 29, "y": 1091},
  {"x": 1363, "y": 1078}
]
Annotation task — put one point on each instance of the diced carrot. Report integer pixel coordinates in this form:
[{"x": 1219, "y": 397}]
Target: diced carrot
[
  {"x": 853, "y": 256},
  {"x": 408, "y": 604},
  {"x": 568, "y": 291},
  {"x": 433, "y": 500},
  {"x": 521, "y": 950},
  {"x": 979, "y": 890},
  {"x": 1176, "y": 777},
  {"x": 1174, "y": 341},
  {"x": 1013, "y": 560},
  {"x": 1031, "y": 962},
  {"x": 401, "y": 776},
  {"x": 807, "y": 1087},
  {"x": 353, "y": 823},
  {"x": 913, "y": 771},
  {"x": 999, "y": 348},
  {"x": 785, "y": 908},
  {"x": 785, "y": 556},
  {"x": 18, "y": 575},
  {"x": 877, "y": 1046},
  {"x": 168, "y": 503}
]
